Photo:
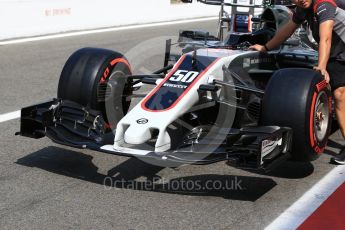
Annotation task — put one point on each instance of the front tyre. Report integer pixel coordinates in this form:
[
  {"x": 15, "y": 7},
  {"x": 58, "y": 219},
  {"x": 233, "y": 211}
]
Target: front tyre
[
  {"x": 86, "y": 75},
  {"x": 300, "y": 99}
]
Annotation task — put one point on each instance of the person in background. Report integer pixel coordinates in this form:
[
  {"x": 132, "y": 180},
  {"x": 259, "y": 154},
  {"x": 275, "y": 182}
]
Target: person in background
[{"x": 326, "y": 20}]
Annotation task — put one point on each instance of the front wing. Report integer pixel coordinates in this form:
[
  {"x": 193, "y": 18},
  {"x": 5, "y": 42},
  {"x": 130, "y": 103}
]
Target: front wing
[{"x": 71, "y": 124}]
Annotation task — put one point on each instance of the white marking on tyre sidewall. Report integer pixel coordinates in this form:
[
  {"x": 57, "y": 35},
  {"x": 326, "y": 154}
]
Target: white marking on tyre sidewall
[
  {"x": 299, "y": 211},
  {"x": 9, "y": 116}
]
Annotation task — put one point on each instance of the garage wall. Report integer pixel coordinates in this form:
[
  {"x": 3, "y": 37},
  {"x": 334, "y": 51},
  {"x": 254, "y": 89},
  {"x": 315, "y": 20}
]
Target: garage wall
[{"x": 24, "y": 18}]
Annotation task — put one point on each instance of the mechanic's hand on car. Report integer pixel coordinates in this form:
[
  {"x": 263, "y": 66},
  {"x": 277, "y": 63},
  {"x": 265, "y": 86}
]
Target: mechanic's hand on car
[
  {"x": 258, "y": 47},
  {"x": 323, "y": 72}
]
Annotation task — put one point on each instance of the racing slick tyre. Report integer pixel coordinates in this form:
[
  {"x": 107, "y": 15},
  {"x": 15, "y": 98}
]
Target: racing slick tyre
[
  {"x": 86, "y": 75},
  {"x": 300, "y": 99}
]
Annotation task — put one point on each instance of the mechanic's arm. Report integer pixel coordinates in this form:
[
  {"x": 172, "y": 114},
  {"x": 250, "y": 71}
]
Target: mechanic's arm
[
  {"x": 325, "y": 12},
  {"x": 325, "y": 33},
  {"x": 281, "y": 36}
]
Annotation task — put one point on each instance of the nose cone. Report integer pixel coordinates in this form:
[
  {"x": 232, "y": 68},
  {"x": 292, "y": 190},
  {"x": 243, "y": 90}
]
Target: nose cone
[{"x": 137, "y": 134}]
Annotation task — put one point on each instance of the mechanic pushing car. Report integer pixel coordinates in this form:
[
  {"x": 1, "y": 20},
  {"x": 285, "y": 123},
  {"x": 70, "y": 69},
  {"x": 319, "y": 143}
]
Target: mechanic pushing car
[{"x": 326, "y": 19}]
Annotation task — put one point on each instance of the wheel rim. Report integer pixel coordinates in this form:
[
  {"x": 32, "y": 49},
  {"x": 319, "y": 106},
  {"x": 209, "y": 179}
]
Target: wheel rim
[{"x": 321, "y": 116}]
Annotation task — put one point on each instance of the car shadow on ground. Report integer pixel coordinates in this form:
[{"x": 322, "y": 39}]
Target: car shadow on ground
[
  {"x": 334, "y": 145},
  {"x": 292, "y": 170},
  {"x": 289, "y": 170},
  {"x": 129, "y": 174}
]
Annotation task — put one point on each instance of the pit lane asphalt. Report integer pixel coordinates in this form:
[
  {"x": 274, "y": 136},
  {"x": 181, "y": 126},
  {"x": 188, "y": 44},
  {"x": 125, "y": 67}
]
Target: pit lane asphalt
[{"x": 47, "y": 186}]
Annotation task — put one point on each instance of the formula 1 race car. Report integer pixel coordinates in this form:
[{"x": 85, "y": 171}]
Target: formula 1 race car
[{"x": 218, "y": 101}]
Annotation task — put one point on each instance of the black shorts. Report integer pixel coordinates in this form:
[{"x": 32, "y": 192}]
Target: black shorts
[{"x": 336, "y": 71}]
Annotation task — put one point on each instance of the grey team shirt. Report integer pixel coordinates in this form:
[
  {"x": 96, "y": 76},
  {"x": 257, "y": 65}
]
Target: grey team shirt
[{"x": 320, "y": 11}]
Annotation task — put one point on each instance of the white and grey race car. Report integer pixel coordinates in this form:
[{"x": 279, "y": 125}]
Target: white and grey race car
[{"x": 218, "y": 101}]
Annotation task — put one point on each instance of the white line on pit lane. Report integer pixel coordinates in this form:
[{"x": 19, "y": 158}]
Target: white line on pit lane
[
  {"x": 9, "y": 116},
  {"x": 298, "y": 212},
  {"x": 45, "y": 37},
  {"x": 16, "y": 114}
]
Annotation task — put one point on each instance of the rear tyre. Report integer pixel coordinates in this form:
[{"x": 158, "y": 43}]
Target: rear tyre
[
  {"x": 85, "y": 77},
  {"x": 300, "y": 99}
]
